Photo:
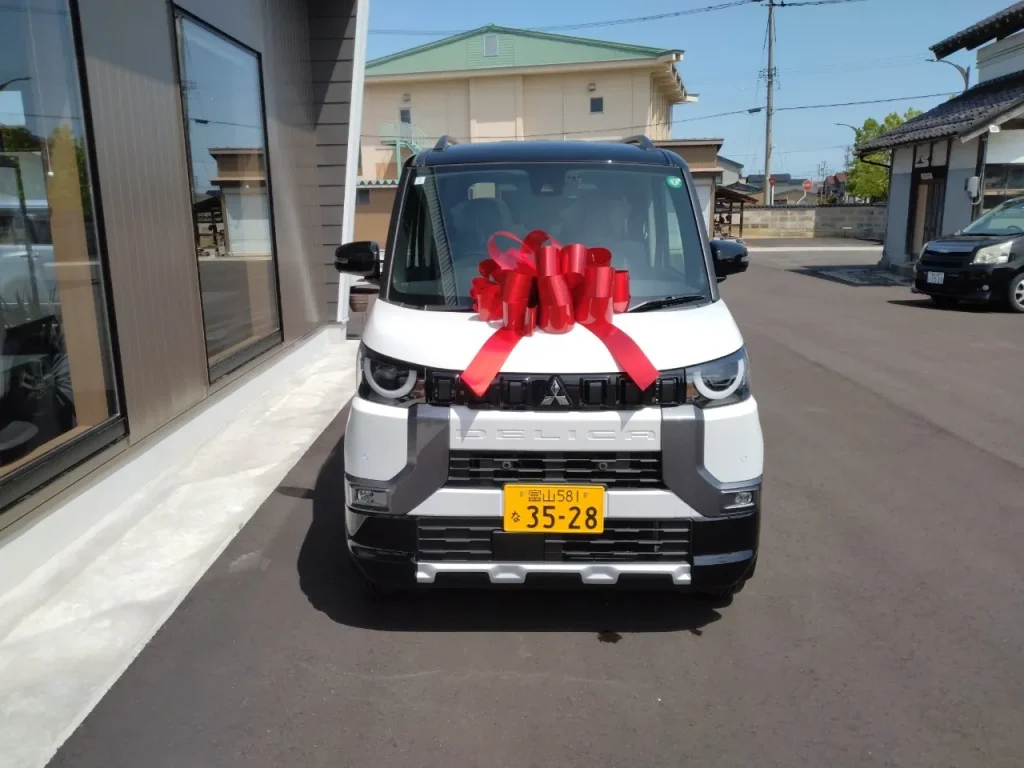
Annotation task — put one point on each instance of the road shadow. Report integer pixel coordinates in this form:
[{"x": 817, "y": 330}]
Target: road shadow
[
  {"x": 853, "y": 275},
  {"x": 329, "y": 581},
  {"x": 926, "y": 303}
]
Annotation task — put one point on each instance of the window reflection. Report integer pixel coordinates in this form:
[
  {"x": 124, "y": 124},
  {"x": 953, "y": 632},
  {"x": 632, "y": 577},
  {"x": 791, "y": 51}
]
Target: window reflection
[
  {"x": 56, "y": 379},
  {"x": 220, "y": 84},
  {"x": 1002, "y": 183}
]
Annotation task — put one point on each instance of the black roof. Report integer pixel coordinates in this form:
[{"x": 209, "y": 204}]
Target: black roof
[
  {"x": 959, "y": 116},
  {"x": 997, "y": 26},
  {"x": 780, "y": 178},
  {"x": 546, "y": 152}
]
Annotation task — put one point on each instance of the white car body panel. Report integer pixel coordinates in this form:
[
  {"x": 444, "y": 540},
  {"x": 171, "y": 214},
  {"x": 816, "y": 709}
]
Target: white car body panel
[{"x": 671, "y": 338}]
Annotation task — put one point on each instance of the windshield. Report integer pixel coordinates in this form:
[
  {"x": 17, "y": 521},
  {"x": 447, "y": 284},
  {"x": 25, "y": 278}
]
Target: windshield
[
  {"x": 1006, "y": 219},
  {"x": 642, "y": 214}
]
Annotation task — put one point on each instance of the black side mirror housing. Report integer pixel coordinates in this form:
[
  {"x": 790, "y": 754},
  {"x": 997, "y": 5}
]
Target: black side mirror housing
[
  {"x": 731, "y": 258},
  {"x": 362, "y": 258}
]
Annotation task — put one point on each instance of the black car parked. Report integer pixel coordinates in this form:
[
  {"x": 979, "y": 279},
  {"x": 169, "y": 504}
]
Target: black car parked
[{"x": 983, "y": 262}]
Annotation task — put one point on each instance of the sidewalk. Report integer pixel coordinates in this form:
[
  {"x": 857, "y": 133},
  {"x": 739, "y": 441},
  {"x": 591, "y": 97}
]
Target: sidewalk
[
  {"x": 63, "y": 654},
  {"x": 812, "y": 244}
]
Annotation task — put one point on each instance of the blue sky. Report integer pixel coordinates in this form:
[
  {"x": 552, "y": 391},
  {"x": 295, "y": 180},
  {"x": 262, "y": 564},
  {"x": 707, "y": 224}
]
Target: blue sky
[{"x": 873, "y": 49}]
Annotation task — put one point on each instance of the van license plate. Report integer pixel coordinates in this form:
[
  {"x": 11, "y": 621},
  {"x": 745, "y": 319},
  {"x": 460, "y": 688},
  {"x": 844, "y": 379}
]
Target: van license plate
[
  {"x": 545, "y": 508},
  {"x": 936, "y": 278}
]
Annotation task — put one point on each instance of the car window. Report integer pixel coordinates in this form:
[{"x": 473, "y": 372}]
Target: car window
[
  {"x": 642, "y": 214},
  {"x": 1006, "y": 219}
]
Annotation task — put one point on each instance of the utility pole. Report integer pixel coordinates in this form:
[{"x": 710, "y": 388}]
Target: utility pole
[{"x": 769, "y": 190}]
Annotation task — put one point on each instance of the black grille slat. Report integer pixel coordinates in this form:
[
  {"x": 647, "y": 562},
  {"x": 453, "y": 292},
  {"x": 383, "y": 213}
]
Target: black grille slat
[
  {"x": 487, "y": 469},
  {"x": 527, "y": 391},
  {"x": 460, "y": 540},
  {"x": 930, "y": 259}
]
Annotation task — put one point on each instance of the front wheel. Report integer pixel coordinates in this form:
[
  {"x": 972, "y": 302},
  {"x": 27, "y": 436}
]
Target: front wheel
[
  {"x": 945, "y": 302},
  {"x": 724, "y": 593},
  {"x": 1015, "y": 293}
]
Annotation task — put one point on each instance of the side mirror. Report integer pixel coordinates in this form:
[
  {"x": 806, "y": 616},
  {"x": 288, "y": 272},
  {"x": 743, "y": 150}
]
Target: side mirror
[
  {"x": 730, "y": 256},
  {"x": 361, "y": 259}
]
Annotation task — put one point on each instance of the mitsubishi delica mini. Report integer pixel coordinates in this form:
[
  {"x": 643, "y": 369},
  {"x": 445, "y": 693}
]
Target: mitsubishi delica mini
[{"x": 550, "y": 388}]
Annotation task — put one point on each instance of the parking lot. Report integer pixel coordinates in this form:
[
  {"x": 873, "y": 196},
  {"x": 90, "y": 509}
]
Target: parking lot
[{"x": 885, "y": 625}]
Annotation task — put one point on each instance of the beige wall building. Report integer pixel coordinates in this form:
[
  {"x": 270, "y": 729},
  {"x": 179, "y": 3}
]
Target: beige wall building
[{"x": 501, "y": 84}]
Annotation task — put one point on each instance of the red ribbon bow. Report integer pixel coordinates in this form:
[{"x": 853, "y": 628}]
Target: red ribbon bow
[{"x": 550, "y": 287}]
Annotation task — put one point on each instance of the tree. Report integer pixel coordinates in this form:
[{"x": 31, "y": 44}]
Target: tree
[{"x": 872, "y": 181}]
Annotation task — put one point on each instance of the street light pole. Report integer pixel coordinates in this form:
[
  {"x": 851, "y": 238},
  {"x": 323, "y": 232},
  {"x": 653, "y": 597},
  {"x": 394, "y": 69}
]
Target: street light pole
[
  {"x": 12, "y": 81},
  {"x": 965, "y": 72}
]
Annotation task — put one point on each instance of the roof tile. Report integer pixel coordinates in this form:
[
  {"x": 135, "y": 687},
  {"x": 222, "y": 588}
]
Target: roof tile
[{"x": 956, "y": 116}]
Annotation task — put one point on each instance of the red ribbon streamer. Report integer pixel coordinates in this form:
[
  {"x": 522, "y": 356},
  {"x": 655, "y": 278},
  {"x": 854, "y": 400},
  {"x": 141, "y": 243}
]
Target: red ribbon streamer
[{"x": 550, "y": 287}]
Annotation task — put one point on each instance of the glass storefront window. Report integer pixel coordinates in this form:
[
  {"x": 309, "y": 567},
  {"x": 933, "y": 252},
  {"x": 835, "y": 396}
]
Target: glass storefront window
[
  {"x": 221, "y": 94},
  {"x": 56, "y": 373}
]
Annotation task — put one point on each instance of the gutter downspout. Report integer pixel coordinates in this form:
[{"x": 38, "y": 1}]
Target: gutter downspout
[
  {"x": 979, "y": 171},
  {"x": 355, "y": 122}
]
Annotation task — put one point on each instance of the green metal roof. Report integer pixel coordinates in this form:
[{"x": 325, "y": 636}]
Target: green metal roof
[{"x": 516, "y": 48}]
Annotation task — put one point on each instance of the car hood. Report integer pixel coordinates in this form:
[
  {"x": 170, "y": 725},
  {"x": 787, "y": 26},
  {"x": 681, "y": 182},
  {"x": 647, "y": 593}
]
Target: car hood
[
  {"x": 671, "y": 338},
  {"x": 964, "y": 243}
]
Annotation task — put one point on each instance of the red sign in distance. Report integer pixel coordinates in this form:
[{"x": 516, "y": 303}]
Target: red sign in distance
[{"x": 808, "y": 185}]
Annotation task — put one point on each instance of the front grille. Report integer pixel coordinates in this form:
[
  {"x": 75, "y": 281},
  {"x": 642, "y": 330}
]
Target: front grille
[
  {"x": 564, "y": 392},
  {"x": 471, "y": 540},
  {"x": 486, "y": 469},
  {"x": 930, "y": 259}
]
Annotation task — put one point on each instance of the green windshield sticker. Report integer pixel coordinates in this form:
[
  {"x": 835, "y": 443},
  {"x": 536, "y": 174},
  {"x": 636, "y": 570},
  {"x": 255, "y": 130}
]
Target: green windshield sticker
[{"x": 674, "y": 181}]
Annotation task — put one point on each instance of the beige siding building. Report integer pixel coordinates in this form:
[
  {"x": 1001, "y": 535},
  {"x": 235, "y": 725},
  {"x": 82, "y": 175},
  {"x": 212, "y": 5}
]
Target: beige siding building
[{"x": 502, "y": 84}]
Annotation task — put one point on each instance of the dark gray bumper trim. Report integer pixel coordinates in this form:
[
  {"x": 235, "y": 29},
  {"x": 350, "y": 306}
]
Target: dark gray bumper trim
[
  {"x": 683, "y": 470},
  {"x": 426, "y": 466}
]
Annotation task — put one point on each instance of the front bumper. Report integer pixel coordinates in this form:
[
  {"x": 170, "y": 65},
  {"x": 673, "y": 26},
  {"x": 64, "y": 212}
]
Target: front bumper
[
  {"x": 972, "y": 282},
  {"x": 424, "y": 495},
  {"x": 390, "y": 551}
]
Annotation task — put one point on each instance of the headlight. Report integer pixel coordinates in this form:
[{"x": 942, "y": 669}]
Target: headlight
[
  {"x": 721, "y": 382},
  {"x": 993, "y": 254},
  {"x": 384, "y": 380}
]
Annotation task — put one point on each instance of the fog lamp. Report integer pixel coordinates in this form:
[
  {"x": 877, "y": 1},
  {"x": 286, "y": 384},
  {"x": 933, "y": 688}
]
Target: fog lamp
[
  {"x": 368, "y": 498},
  {"x": 739, "y": 500}
]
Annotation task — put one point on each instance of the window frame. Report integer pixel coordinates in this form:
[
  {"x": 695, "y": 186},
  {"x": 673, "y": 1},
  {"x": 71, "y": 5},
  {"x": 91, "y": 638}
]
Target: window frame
[
  {"x": 598, "y": 100},
  {"x": 256, "y": 347},
  {"x": 362, "y": 196},
  {"x": 488, "y": 37},
  {"x": 24, "y": 488}
]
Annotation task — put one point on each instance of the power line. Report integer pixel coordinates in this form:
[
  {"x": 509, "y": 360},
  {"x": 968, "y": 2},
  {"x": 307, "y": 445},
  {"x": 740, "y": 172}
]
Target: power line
[
  {"x": 858, "y": 103},
  {"x": 582, "y": 25},
  {"x": 783, "y": 4}
]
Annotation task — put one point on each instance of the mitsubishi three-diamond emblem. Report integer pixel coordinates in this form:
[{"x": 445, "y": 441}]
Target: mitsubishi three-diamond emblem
[{"x": 556, "y": 393}]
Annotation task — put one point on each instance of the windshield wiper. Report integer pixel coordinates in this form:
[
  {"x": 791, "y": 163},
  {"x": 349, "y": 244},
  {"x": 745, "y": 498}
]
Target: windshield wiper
[
  {"x": 447, "y": 308},
  {"x": 668, "y": 301}
]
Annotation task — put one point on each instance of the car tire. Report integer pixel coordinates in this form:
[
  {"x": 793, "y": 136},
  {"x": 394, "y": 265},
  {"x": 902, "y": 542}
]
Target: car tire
[
  {"x": 724, "y": 593},
  {"x": 944, "y": 302},
  {"x": 1015, "y": 293},
  {"x": 366, "y": 586}
]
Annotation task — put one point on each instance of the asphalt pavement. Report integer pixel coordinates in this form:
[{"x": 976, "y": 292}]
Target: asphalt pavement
[{"x": 885, "y": 626}]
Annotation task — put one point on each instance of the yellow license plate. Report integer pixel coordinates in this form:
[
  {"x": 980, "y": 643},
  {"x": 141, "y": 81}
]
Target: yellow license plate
[{"x": 554, "y": 508}]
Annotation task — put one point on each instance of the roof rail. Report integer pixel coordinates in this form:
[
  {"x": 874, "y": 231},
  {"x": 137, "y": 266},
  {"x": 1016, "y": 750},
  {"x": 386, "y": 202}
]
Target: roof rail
[
  {"x": 444, "y": 142},
  {"x": 639, "y": 141}
]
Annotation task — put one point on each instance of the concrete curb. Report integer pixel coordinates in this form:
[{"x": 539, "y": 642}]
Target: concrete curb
[{"x": 800, "y": 248}]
